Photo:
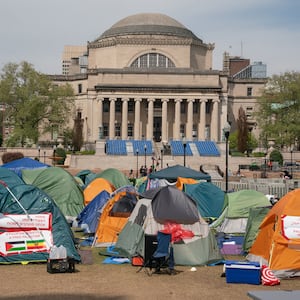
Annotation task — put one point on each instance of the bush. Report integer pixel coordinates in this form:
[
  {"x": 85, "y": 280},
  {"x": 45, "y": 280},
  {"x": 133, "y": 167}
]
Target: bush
[
  {"x": 276, "y": 155},
  {"x": 61, "y": 153},
  {"x": 10, "y": 156}
]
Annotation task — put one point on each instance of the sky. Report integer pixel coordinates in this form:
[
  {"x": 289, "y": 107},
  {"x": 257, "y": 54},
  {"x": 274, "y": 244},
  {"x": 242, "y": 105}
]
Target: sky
[{"x": 267, "y": 31}]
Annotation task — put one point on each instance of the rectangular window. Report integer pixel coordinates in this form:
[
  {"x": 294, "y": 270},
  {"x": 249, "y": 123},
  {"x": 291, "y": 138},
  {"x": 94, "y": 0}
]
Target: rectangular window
[
  {"x": 249, "y": 91},
  {"x": 195, "y": 107},
  {"x": 79, "y": 88},
  {"x": 130, "y": 130},
  {"x": 105, "y": 130},
  {"x": 131, "y": 105},
  {"x": 117, "y": 129}
]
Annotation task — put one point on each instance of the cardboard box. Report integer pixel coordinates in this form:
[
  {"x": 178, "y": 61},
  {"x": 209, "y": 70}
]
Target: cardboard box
[
  {"x": 242, "y": 272},
  {"x": 231, "y": 249}
]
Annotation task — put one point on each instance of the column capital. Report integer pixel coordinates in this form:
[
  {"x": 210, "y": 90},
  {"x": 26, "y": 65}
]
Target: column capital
[
  {"x": 165, "y": 99},
  {"x": 151, "y": 99},
  {"x": 203, "y": 100},
  {"x": 138, "y": 99},
  {"x": 112, "y": 99},
  {"x": 178, "y": 100},
  {"x": 216, "y": 100},
  {"x": 125, "y": 99},
  {"x": 190, "y": 100}
]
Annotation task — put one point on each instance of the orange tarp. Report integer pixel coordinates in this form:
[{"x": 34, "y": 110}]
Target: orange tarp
[{"x": 181, "y": 181}]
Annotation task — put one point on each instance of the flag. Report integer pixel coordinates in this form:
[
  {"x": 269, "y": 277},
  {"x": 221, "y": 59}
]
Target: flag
[
  {"x": 36, "y": 244},
  {"x": 15, "y": 246}
]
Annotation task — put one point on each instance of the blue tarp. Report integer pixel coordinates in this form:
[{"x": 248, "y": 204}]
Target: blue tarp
[{"x": 24, "y": 163}]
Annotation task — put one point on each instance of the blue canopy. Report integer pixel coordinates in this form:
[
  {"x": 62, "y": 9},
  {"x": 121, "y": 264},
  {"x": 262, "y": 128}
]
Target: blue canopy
[{"x": 24, "y": 163}]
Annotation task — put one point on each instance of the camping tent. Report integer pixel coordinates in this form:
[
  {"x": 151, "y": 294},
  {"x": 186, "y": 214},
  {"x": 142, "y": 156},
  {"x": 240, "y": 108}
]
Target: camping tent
[
  {"x": 278, "y": 241},
  {"x": 114, "y": 176},
  {"x": 234, "y": 218},
  {"x": 38, "y": 223},
  {"x": 172, "y": 210},
  {"x": 61, "y": 186},
  {"x": 172, "y": 173},
  {"x": 24, "y": 163},
  {"x": 210, "y": 199},
  {"x": 114, "y": 216},
  {"x": 95, "y": 187},
  {"x": 89, "y": 217}
]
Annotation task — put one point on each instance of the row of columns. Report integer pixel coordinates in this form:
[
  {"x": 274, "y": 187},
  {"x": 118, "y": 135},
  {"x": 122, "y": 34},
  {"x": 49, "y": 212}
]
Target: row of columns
[{"x": 214, "y": 123}]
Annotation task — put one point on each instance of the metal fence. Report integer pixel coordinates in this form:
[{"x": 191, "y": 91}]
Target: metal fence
[{"x": 265, "y": 186}]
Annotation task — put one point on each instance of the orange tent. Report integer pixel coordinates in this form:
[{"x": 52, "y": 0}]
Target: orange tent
[
  {"x": 114, "y": 217},
  {"x": 278, "y": 241},
  {"x": 95, "y": 187}
]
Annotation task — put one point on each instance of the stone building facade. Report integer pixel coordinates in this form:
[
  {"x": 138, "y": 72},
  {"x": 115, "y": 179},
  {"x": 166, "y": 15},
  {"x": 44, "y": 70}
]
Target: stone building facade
[{"x": 150, "y": 77}]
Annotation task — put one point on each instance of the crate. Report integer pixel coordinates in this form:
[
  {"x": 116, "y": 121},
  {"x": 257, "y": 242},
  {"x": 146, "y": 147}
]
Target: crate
[
  {"x": 66, "y": 265},
  {"x": 231, "y": 249},
  {"x": 242, "y": 272}
]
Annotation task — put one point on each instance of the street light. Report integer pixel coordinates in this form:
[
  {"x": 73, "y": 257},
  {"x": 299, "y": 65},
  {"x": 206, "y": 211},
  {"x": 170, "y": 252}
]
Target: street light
[
  {"x": 145, "y": 150},
  {"x": 226, "y": 131},
  {"x": 291, "y": 162},
  {"x": 39, "y": 149},
  {"x": 184, "y": 151},
  {"x": 162, "y": 157},
  {"x": 54, "y": 154},
  {"x": 137, "y": 163}
]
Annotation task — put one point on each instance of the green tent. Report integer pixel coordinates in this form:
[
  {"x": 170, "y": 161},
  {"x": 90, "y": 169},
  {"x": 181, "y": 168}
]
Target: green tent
[
  {"x": 234, "y": 218},
  {"x": 114, "y": 176},
  {"x": 33, "y": 201},
  {"x": 61, "y": 186}
]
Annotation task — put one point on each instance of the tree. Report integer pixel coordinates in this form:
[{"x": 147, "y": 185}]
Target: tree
[
  {"x": 77, "y": 134},
  {"x": 278, "y": 111},
  {"x": 33, "y": 104},
  {"x": 242, "y": 131}
]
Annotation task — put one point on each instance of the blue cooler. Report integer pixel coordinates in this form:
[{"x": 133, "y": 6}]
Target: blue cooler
[{"x": 242, "y": 272}]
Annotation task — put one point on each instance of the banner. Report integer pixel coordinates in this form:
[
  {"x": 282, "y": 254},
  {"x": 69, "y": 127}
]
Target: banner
[
  {"x": 33, "y": 221},
  {"x": 24, "y": 242}
]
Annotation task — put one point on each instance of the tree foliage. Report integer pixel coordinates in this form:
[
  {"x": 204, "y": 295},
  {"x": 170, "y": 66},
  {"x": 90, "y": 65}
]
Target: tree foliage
[
  {"x": 33, "y": 104},
  {"x": 278, "y": 111}
]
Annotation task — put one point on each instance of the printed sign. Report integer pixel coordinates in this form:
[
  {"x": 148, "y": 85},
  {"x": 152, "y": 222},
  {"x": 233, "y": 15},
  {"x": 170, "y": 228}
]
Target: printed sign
[
  {"x": 290, "y": 227},
  {"x": 23, "y": 242},
  {"x": 33, "y": 221}
]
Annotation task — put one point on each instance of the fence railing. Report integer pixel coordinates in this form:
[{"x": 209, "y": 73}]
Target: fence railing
[{"x": 265, "y": 186}]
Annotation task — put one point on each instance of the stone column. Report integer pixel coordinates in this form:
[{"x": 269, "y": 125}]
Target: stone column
[
  {"x": 202, "y": 121},
  {"x": 149, "y": 135},
  {"x": 124, "y": 119},
  {"x": 137, "y": 113},
  {"x": 189, "y": 124},
  {"x": 112, "y": 114},
  {"x": 176, "y": 127},
  {"x": 164, "y": 120},
  {"x": 214, "y": 124}
]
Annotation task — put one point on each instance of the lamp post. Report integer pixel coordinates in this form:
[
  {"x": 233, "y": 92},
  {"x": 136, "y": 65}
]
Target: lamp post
[
  {"x": 184, "y": 151},
  {"x": 54, "y": 154},
  {"x": 44, "y": 156},
  {"x": 145, "y": 152},
  {"x": 162, "y": 157},
  {"x": 291, "y": 162},
  {"x": 137, "y": 163},
  {"x": 226, "y": 131},
  {"x": 39, "y": 150}
]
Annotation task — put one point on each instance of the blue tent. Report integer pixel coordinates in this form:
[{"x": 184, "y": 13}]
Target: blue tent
[
  {"x": 24, "y": 163},
  {"x": 89, "y": 216}
]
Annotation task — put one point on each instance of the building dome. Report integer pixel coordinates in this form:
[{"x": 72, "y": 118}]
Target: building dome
[{"x": 148, "y": 23}]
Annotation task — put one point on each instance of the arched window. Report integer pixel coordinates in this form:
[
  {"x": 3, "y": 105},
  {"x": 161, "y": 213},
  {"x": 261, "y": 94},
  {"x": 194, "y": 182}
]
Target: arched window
[{"x": 153, "y": 60}]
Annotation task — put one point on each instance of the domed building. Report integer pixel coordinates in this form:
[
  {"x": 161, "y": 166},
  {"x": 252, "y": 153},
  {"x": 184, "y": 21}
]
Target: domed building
[{"x": 148, "y": 77}]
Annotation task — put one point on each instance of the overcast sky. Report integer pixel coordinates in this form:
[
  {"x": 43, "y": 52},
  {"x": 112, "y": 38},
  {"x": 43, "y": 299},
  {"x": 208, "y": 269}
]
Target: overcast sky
[{"x": 36, "y": 31}]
